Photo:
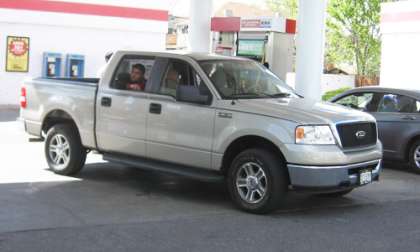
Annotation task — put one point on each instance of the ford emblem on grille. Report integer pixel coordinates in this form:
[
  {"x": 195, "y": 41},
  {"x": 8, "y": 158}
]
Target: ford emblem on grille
[{"x": 360, "y": 134}]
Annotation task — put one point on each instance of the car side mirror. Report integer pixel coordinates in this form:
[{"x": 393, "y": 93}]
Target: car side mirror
[{"x": 191, "y": 94}]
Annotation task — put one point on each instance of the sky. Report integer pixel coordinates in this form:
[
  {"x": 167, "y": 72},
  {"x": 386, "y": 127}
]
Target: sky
[{"x": 181, "y": 7}]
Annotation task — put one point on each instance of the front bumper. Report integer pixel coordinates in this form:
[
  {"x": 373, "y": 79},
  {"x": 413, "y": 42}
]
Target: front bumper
[{"x": 331, "y": 178}]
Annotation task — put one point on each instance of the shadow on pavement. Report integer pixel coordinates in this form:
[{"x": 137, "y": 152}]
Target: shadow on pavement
[
  {"x": 147, "y": 183},
  {"x": 143, "y": 182},
  {"x": 8, "y": 115},
  {"x": 396, "y": 165}
]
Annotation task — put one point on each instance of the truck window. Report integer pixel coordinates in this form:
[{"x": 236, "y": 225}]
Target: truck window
[
  {"x": 181, "y": 73},
  {"x": 244, "y": 79},
  {"x": 133, "y": 73}
]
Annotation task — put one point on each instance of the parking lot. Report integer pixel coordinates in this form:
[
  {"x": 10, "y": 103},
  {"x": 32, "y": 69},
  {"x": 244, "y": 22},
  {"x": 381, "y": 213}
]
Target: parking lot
[{"x": 113, "y": 207}]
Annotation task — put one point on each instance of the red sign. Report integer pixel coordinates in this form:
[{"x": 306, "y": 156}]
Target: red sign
[
  {"x": 263, "y": 23},
  {"x": 18, "y": 47},
  {"x": 226, "y": 24},
  {"x": 251, "y": 23}
]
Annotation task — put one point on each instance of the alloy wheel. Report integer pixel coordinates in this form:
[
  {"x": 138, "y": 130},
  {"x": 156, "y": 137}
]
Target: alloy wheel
[{"x": 251, "y": 182}]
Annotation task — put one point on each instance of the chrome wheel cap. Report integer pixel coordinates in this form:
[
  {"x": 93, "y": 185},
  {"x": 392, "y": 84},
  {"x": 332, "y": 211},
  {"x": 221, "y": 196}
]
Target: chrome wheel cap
[
  {"x": 59, "y": 151},
  {"x": 417, "y": 157},
  {"x": 251, "y": 182}
]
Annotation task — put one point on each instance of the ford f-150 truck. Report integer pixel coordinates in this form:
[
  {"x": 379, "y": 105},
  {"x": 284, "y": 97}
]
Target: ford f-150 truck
[{"x": 208, "y": 117}]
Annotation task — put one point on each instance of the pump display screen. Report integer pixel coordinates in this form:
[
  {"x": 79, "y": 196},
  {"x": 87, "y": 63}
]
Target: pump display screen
[{"x": 253, "y": 48}]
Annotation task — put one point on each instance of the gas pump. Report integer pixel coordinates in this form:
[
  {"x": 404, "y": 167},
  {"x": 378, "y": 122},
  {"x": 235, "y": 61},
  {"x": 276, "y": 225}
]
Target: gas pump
[
  {"x": 268, "y": 40},
  {"x": 51, "y": 66},
  {"x": 225, "y": 34},
  {"x": 75, "y": 66}
]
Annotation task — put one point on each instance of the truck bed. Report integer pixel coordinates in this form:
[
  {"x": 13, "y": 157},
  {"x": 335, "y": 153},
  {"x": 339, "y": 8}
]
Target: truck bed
[
  {"x": 75, "y": 97},
  {"x": 72, "y": 80}
]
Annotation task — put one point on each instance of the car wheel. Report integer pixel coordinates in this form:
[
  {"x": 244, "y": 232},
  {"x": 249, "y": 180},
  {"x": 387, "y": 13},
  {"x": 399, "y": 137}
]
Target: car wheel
[
  {"x": 63, "y": 150},
  {"x": 414, "y": 156},
  {"x": 337, "y": 194},
  {"x": 257, "y": 181}
]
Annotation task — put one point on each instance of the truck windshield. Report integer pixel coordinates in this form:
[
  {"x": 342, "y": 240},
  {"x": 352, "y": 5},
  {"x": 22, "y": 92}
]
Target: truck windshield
[{"x": 243, "y": 79}]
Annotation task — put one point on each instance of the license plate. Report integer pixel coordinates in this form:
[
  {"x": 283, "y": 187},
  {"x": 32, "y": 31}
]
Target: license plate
[{"x": 365, "y": 177}]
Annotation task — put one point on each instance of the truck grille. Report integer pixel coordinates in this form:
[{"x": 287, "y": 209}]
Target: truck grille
[{"x": 355, "y": 135}]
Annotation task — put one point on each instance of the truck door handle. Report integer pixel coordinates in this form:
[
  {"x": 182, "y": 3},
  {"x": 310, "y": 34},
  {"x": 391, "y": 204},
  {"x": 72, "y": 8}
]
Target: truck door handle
[
  {"x": 155, "y": 108},
  {"x": 106, "y": 101},
  {"x": 408, "y": 118}
]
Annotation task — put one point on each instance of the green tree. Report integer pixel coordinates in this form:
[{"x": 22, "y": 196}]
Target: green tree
[
  {"x": 353, "y": 35},
  {"x": 287, "y": 8}
]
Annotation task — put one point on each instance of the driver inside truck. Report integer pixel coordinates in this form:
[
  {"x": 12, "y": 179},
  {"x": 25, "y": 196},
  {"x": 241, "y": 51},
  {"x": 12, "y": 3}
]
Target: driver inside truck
[{"x": 137, "y": 79}]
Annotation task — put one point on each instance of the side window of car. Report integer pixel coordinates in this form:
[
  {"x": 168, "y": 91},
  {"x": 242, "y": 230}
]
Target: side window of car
[
  {"x": 132, "y": 73},
  {"x": 359, "y": 101},
  {"x": 393, "y": 103}
]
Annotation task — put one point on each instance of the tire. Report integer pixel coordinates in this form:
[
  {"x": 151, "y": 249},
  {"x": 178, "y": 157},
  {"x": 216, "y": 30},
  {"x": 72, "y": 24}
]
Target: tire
[
  {"x": 253, "y": 191},
  {"x": 337, "y": 194},
  {"x": 63, "y": 150},
  {"x": 413, "y": 155}
]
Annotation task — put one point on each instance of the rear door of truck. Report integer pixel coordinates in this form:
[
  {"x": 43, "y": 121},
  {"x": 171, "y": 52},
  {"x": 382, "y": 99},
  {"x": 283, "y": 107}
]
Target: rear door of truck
[{"x": 122, "y": 113}]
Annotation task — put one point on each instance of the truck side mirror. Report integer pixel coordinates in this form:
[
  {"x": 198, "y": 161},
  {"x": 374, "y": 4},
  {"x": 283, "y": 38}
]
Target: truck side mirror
[{"x": 191, "y": 94}]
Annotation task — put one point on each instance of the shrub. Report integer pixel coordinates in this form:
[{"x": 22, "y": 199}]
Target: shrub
[{"x": 330, "y": 94}]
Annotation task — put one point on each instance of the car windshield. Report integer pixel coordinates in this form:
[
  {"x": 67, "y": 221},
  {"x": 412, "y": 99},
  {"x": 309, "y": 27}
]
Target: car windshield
[{"x": 245, "y": 79}]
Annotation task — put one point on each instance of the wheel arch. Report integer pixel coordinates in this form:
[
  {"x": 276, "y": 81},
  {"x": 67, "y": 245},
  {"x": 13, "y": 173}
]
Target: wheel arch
[
  {"x": 57, "y": 116},
  {"x": 246, "y": 142}
]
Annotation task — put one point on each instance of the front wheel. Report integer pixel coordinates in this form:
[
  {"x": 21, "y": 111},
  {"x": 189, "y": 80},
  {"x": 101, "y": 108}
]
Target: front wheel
[
  {"x": 414, "y": 157},
  {"x": 63, "y": 150},
  {"x": 257, "y": 181}
]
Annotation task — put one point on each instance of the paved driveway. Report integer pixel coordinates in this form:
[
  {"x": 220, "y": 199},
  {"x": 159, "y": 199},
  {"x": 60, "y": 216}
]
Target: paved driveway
[{"x": 109, "y": 207}]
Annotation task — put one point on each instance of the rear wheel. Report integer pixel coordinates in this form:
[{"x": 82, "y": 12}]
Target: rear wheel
[
  {"x": 414, "y": 157},
  {"x": 63, "y": 150},
  {"x": 257, "y": 181}
]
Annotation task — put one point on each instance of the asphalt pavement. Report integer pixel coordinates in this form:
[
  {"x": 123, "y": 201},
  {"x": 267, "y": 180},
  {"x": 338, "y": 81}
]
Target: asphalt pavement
[{"x": 109, "y": 207}]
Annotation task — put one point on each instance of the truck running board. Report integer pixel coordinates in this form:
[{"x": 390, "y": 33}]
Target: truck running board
[{"x": 176, "y": 169}]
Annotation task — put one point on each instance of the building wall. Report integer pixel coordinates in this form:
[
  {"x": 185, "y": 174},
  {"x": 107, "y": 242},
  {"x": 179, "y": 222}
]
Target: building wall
[
  {"x": 400, "y": 27},
  {"x": 67, "y": 33}
]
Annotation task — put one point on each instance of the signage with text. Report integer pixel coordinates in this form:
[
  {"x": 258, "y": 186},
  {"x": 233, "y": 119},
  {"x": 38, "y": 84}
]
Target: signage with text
[{"x": 17, "y": 58}]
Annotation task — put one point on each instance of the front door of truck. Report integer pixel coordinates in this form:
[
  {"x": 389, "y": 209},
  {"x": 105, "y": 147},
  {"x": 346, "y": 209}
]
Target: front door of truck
[
  {"x": 122, "y": 107},
  {"x": 179, "y": 132}
]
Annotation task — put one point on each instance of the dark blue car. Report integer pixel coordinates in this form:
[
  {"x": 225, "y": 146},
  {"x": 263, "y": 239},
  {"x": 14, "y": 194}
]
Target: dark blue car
[{"x": 397, "y": 112}]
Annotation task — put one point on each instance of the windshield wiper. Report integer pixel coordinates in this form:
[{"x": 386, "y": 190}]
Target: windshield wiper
[
  {"x": 279, "y": 95},
  {"x": 258, "y": 95}
]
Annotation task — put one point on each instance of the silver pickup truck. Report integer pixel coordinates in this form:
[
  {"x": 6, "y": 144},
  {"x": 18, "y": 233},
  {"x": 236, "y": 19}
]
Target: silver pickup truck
[{"x": 208, "y": 117}]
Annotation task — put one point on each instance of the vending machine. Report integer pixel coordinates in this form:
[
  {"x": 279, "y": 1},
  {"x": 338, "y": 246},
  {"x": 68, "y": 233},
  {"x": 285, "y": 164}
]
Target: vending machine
[
  {"x": 75, "y": 66},
  {"x": 51, "y": 66}
]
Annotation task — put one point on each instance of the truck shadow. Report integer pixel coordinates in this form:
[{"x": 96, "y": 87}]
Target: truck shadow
[
  {"x": 160, "y": 185},
  {"x": 8, "y": 114}
]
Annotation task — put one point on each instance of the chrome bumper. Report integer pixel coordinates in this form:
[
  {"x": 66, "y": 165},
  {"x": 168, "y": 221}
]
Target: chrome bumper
[{"x": 330, "y": 178}]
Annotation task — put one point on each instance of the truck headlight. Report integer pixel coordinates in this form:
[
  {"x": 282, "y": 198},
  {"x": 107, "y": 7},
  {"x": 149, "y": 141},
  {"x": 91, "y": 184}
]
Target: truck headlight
[{"x": 320, "y": 134}]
